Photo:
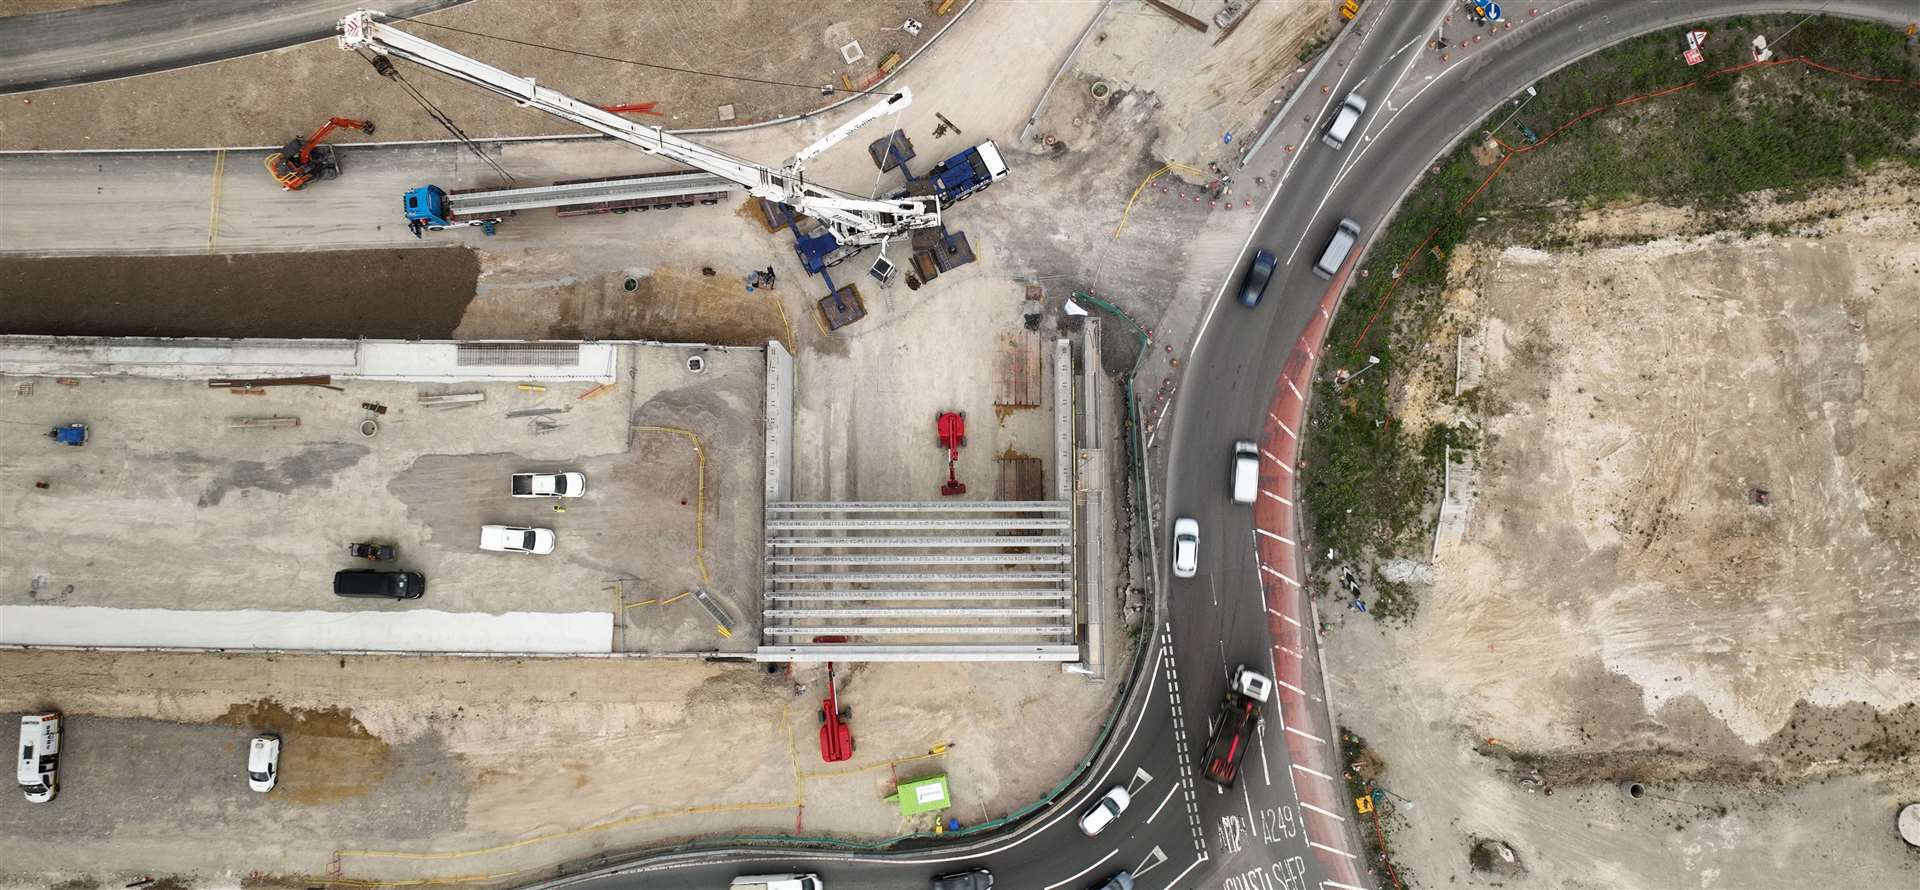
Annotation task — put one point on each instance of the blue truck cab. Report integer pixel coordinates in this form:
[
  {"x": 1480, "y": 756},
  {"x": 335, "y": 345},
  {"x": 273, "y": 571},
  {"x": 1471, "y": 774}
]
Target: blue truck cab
[
  {"x": 428, "y": 204},
  {"x": 967, "y": 172}
]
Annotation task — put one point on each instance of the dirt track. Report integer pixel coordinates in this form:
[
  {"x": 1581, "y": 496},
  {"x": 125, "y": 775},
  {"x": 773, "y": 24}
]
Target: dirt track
[{"x": 354, "y": 293}]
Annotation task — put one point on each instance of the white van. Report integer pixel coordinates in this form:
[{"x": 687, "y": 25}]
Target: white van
[
  {"x": 1338, "y": 247},
  {"x": 777, "y": 882},
  {"x": 39, "y": 771},
  {"x": 1246, "y": 472}
]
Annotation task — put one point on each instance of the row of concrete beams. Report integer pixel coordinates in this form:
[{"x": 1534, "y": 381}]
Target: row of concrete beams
[{"x": 875, "y": 572}]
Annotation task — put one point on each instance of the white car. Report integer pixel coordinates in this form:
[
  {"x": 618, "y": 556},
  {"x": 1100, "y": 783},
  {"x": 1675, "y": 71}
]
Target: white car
[
  {"x": 1104, "y": 811},
  {"x": 548, "y": 485},
  {"x": 1186, "y": 547},
  {"x": 514, "y": 539},
  {"x": 263, "y": 762}
]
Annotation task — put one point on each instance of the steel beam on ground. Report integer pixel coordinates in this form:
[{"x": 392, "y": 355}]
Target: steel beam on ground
[
  {"x": 960, "y": 612},
  {"x": 930, "y": 630},
  {"x": 928, "y": 542},
  {"x": 929, "y": 652},
  {"x": 850, "y": 524},
  {"x": 920, "y": 577},
  {"x": 921, "y": 507},
  {"x": 1063, "y": 422},
  {"x": 923, "y": 559}
]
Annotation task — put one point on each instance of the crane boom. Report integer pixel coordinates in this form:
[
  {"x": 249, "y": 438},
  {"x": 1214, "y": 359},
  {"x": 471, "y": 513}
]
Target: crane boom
[{"x": 851, "y": 218}]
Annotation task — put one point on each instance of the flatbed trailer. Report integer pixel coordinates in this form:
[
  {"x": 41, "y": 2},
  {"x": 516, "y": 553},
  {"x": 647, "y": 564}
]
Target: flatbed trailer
[{"x": 437, "y": 209}]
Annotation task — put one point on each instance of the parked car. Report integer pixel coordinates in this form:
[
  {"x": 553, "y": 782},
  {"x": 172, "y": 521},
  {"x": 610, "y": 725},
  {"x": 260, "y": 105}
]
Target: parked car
[
  {"x": 263, "y": 762},
  {"x": 1254, "y": 285},
  {"x": 39, "y": 767},
  {"x": 1104, "y": 811},
  {"x": 548, "y": 485},
  {"x": 977, "y": 879},
  {"x": 1186, "y": 547},
  {"x": 515, "y": 539},
  {"x": 380, "y": 584}
]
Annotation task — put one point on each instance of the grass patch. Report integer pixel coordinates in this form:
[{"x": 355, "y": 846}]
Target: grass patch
[{"x": 1369, "y": 480}]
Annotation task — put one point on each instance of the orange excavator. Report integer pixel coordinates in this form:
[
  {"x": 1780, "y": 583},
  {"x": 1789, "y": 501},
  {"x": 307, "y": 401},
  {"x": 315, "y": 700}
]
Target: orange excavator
[{"x": 304, "y": 160}]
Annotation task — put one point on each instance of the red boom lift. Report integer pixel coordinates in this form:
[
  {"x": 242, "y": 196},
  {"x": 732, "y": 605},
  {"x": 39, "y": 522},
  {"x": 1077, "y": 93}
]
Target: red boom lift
[
  {"x": 952, "y": 429},
  {"x": 836, "y": 737},
  {"x": 303, "y": 160}
]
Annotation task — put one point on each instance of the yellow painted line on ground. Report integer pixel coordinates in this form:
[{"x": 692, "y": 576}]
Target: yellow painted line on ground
[
  {"x": 585, "y": 829},
  {"x": 1175, "y": 166},
  {"x": 676, "y": 598},
  {"x": 896, "y": 761},
  {"x": 213, "y": 208},
  {"x": 642, "y": 603},
  {"x": 700, "y": 497},
  {"x": 792, "y": 345},
  {"x": 416, "y": 882}
]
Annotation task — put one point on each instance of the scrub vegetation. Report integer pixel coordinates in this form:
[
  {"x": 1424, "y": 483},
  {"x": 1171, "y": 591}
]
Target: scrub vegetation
[{"x": 1371, "y": 480}]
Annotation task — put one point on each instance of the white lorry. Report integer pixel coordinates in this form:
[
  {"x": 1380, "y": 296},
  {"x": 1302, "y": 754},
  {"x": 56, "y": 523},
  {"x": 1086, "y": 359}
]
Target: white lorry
[
  {"x": 777, "y": 882},
  {"x": 39, "y": 771},
  {"x": 549, "y": 485}
]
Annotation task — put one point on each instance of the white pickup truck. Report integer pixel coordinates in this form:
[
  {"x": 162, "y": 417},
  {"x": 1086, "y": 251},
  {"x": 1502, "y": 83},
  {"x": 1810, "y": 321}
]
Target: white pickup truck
[
  {"x": 516, "y": 539},
  {"x": 549, "y": 485}
]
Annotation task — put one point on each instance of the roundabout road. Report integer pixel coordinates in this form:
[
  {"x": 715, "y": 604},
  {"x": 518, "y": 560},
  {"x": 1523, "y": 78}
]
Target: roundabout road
[{"x": 1182, "y": 831}]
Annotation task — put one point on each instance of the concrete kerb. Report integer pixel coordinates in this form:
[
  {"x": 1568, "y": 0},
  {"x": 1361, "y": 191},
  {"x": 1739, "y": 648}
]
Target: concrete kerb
[
  {"x": 563, "y": 137},
  {"x": 1287, "y": 106},
  {"x": 1033, "y": 118}
]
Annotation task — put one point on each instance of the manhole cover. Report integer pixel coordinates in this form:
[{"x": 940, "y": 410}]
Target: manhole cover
[{"x": 1910, "y": 824}]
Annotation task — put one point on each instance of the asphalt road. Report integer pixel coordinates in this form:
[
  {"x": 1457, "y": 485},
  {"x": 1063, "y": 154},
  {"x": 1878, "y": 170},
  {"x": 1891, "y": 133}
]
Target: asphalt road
[{"x": 96, "y": 43}]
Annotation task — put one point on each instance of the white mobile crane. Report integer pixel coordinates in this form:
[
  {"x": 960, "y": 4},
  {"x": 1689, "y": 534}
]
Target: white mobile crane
[{"x": 853, "y": 221}]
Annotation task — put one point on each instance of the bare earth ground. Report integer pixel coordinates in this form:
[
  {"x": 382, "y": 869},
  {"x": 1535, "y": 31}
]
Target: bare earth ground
[
  {"x": 1619, "y": 609},
  {"x": 391, "y": 755},
  {"x": 272, "y": 97}
]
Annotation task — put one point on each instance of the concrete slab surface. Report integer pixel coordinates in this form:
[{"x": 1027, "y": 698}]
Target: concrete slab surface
[{"x": 392, "y": 629}]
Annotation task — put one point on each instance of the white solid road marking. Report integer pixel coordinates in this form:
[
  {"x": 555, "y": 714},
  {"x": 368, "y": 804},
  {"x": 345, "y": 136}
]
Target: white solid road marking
[
  {"x": 1312, "y": 772},
  {"x": 1272, "y": 457},
  {"x": 1281, "y": 539},
  {"x": 1339, "y": 886},
  {"x": 1305, "y": 735},
  {"x": 1297, "y": 690},
  {"x": 1334, "y": 816},
  {"x": 1289, "y": 430},
  {"x": 1285, "y": 649},
  {"x": 1183, "y": 873},
  {"x": 1110, "y": 855},
  {"x": 1277, "y": 498},
  {"x": 1163, "y": 804},
  {"x": 1283, "y": 578},
  {"x": 1296, "y": 390},
  {"x": 1309, "y": 843}
]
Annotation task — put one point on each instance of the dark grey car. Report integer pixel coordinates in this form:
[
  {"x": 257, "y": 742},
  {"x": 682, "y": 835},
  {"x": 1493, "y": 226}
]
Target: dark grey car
[
  {"x": 978, "y": 879},
  {"x": 379, "y": 584},
  {"x": 1259, "y": 272}
]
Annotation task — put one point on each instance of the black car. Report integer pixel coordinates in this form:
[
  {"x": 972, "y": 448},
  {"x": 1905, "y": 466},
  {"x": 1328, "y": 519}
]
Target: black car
[
  {"x": 978, "y": 879},
  {"x": 1254, "y": 286},
  {"x": 379, "y": 584}
]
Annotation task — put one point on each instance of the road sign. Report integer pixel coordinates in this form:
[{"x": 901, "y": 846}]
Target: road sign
[
  {"x": 1694, "y": 57},
  {"x": 1696, "y": 39},
  {"x": 1363, "y": 804}
]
